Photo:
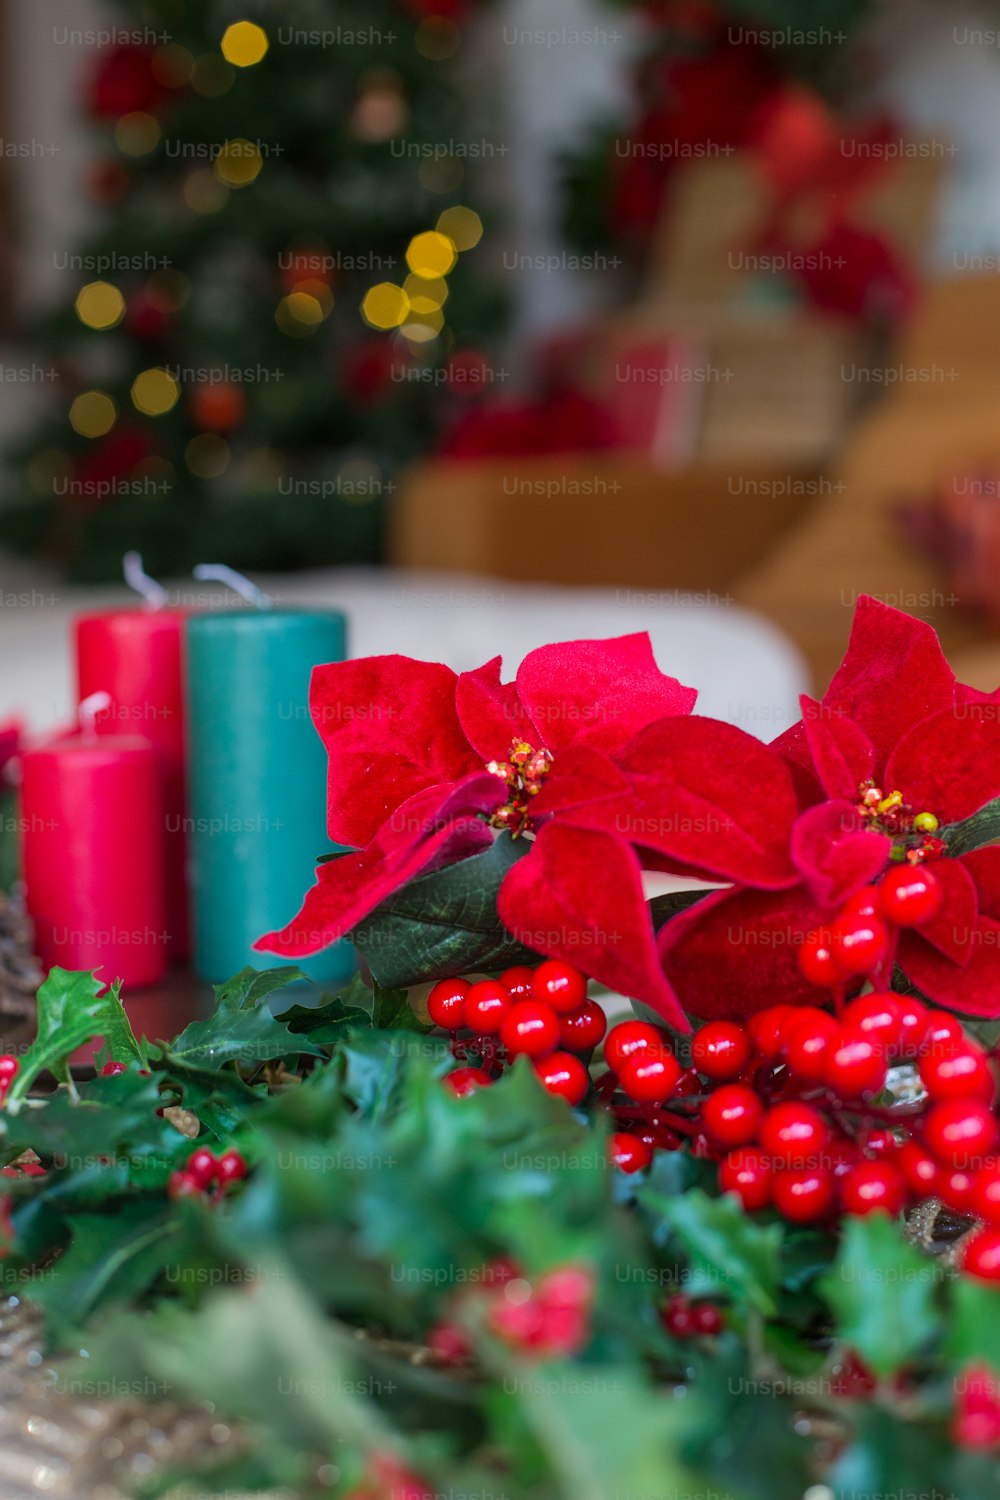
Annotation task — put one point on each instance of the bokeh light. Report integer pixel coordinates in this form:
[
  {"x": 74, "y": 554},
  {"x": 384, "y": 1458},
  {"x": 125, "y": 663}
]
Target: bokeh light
[
  {"x": 92, "y": 414},
  {"x": 155, "y": 392},
  {"x": 244, "y": 43},
  {"x": 463, "y": 226},
  {"x": 100, "y": 305},
  {"x": 431, "y": 254},
  {"x": 208, "y": 455},
  {"x": 137, "y": 134},
  {"x": 238, "y": 163},
  {"x": 385, "y": 305}
]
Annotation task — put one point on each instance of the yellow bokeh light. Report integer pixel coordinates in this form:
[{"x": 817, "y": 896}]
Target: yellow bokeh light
[
  {"x": 238, "y": 163},
  {"x": 426, "y": 295},
  {"x": 92, "y": 414},
  {"x": 299, "y": 314},
  {"x": 137, "y": 133},
  {"x": 463, "y": 226},
  {"x": 316, "y": 291},
  {"x": 155, "y": 392},
  {"x": 203, "y": 192},
  {"x": 385, "y": 305},
  {"x": 431, "y": 254},
  {"x": 244, "y": 43},
  {"x": 208, "y": 455},
  {"x": 420, "y": 328},
  {"x": 100, "y": 305}
]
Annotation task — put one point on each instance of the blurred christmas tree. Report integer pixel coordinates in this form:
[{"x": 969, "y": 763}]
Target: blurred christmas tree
[{"x": 264, "y": 324}]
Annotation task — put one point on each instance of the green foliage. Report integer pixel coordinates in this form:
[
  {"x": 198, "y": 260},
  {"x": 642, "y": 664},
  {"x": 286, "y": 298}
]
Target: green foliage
[{"x": 301, "y": 1301}]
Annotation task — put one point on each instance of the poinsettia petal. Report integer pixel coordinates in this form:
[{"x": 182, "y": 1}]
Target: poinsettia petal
[
  {"x": 598, "y": 692},
  {"x": 835, "y": 853},
  {"x": 734, "y": 952},
  {"x": 427, "y": 811},
  {"x": 952, "y": 928},
  {"x": 491, "y": 712},
  {"x": 893, "y": 675},
  {"x": 710, "y": 796},
  {"x": 842, "y": 753},
  {"x": 349, "y": 888},
  {"x": 390, "y": 728},
  {"x": 950, "y": 763},
  {"x": 578, "y": 896},
  {"x": 579, "y": 775},
  {"x": 973, "y": 989},
  {"x": 983, "y": 865}
]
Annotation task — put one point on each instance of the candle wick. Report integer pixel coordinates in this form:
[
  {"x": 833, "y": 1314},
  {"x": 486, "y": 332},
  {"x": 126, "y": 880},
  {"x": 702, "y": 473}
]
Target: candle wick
[
  {"x": 137, "y": 578},
  {"x": 90, "y": 707},
  {"x": 220, "y": 573}
]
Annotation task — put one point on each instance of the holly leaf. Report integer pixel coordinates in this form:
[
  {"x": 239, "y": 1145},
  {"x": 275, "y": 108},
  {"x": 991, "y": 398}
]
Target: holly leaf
[
  {"x": 883, "y": 1294},
  {"x": 974, "y": 1324},
  {"x": 242, "y": 1028},
  {"x": 73, "y": 1007},
  {"x": 724, "y": 1246},
  {"x": 325, "y": 1024},
  {"x": 445, "y": 923},
  {"x": 115, "y": 1255}
]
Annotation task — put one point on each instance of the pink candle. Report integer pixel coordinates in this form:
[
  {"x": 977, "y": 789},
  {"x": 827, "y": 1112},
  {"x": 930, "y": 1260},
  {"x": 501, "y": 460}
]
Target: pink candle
[
  {"x": 92, "y": 846},
  {"x": 136, "y": 657}
]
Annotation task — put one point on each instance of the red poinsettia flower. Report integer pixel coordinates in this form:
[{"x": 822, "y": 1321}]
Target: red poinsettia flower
[
  {"x": 426, "y": 764},
  {"x": 790, "y": 832},
  {"x": 796, "y": 835}
]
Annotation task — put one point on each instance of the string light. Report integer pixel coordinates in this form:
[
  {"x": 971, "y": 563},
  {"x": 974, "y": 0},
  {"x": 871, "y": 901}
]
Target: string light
[
  {"x": 155, "y": 392},
  {"x": 431, "y": 254},
  {"x": 100, "y": 305},
  {"x": 238, "y": 163},
  {"x": 244, "y": 43},
  {"x": 463, "y": 226},
  {"x": 92, "y": 414},
  {"x": 385, "y": 305}
]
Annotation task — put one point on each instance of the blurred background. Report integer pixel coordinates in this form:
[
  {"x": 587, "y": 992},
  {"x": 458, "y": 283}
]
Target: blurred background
[{"x": 496, "y": 321}]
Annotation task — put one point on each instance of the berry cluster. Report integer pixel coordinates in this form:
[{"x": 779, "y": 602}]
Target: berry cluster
[
  {"x": 861, "y": 941},
  {"x": 685, "y": 1319},
  {"x": 541, "y": 1013},
  {"x": 205, "y": 1172},
  {"x": 544, "y": 1319},
  {"x": 9, "y": 1069}
]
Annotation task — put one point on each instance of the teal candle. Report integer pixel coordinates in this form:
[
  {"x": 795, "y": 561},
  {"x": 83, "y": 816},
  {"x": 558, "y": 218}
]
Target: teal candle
[{"x": 257, "y": 782}]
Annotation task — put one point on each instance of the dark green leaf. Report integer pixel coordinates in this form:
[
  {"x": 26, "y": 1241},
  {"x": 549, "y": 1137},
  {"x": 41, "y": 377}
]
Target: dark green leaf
[
  {"x": 727, "y": 1251},
  {"x": 72, "y": 1010},
  {"x": 883, "y": 1294}
]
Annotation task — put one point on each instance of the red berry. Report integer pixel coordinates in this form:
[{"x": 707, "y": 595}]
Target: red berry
[
  {"x": 859, "y": 944},
  {"x": 864, "y": 903},
  {"x": 986, "y": 1193},
  {"x": 182, "y": 1185},
  {"x": 10, "y": 1066},
  {"x": 942, "y": 1028},
  {"x": 566, "y": 1286},
  {"x": 202, "y": 1167},
  {"x": 817, "y": 961},
  {"x": 855, "y": 1066},
  {"x": 747, "y": 1173},
  {"x": 980, "y": 1255},
  {"x": 808, "y": 1040},
  {"x": 446, "y": 1003},
  {"x": 803, "y": 1194},
  {"x": 531, "y": 1027},
  {"x": 879, "y": 1143},
  {"x": 842, "y": 1155},
  {"x": 878, "y": 1016},
  {"x": 873, "y": 1185},
  {"x": 449, "y": 1343},
  {"x": 519, "y": 980},
  {"x": 766, "y": 1030},
  {"x": 732, "y": 1115},
  {"x": 628, "y": 1037},
  {"x": 962, "y": 1071},
  {"x": 707, "y": 1319},
  {"x": 794, "y": 1134},
  {"x": 562, "y": 985},
  {"x": 230, "y": 1167},
  {"x": 629, "y": 1153},
  {"x": 919, "y": 1168},
  {"x": 913, "y": 1017},
  {"x": 650, "y": 1076},
  {"x": 720, "y": 1050},
  {"x": 563, "y": 1075},
  {"x": 109, "y": 1070},
  {"x": 909, "y": 895},
  {"x": 583, "y": 1028},
  {"x": 678, "y": 1318},
  {"x": 487, "y": 1006},
  {"x": 464, "y": 1081},
  {"x": 956, "y": 1188},
  {"x": 961, "y": 1132}
]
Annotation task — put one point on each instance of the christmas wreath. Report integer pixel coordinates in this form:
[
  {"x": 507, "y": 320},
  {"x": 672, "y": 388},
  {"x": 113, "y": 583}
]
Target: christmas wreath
[{"x": 468, "y": 1229}]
